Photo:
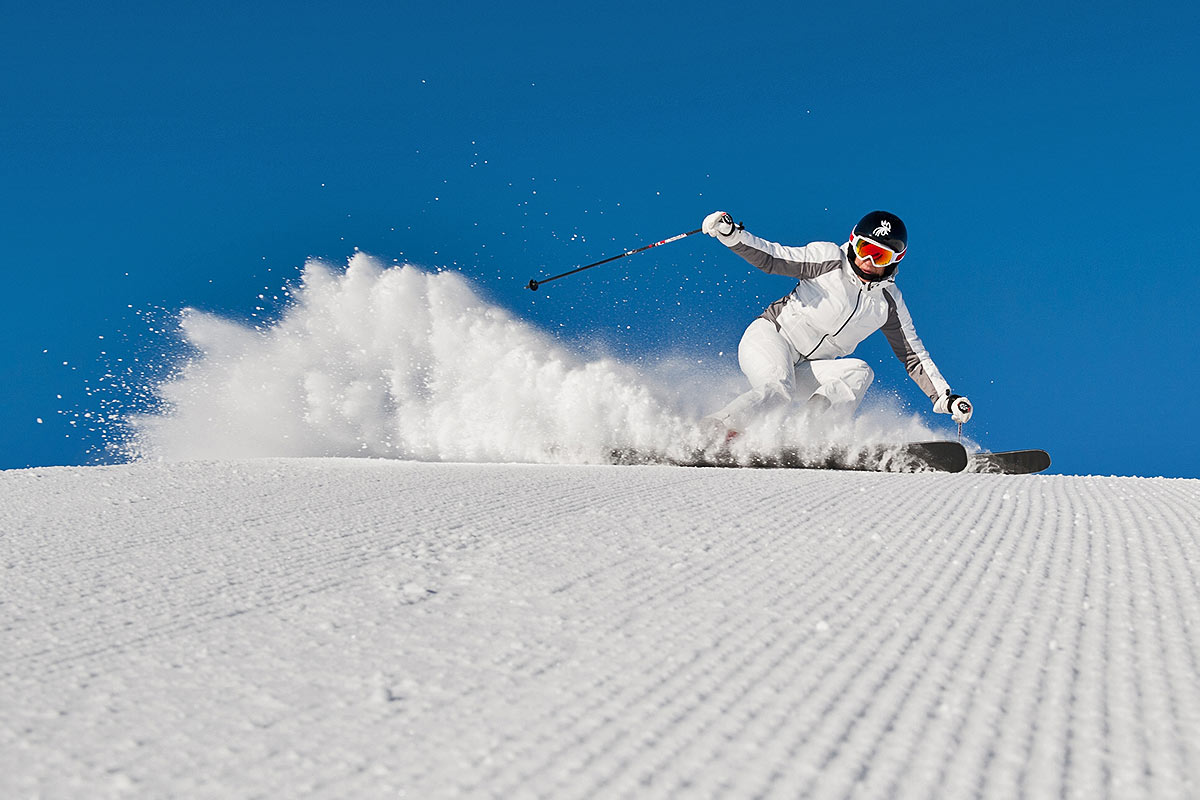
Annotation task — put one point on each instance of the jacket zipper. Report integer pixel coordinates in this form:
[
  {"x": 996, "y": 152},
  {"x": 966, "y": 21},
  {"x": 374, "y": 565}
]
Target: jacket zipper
[{"x": 857, "y": 301}]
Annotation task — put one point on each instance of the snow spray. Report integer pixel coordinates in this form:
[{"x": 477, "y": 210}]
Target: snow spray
[{"x": 405, "y": 363}]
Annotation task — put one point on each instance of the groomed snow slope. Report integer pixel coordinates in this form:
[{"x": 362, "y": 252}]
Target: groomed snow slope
[{"x": 350, "y": 628}]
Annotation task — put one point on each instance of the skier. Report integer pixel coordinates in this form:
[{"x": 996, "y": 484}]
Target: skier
[{"x": 794, "y": 351}]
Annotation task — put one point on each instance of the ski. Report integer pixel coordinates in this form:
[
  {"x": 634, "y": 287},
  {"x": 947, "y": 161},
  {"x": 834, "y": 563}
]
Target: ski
[
  {"x": 905, "y": 457},
  {"x": 1009, "y": 462}
]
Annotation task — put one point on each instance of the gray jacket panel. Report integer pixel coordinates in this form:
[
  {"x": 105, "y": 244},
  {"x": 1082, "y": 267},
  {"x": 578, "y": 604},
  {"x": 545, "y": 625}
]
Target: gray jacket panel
[
  {"x": 802, "y": 263},
  {"x": 902, "y": 336}
]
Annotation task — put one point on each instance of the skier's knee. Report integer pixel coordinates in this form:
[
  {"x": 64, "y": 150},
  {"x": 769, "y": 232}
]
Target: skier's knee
[
  {"x": 862, "y": 370},
  {"x": 859, "y": 376}
]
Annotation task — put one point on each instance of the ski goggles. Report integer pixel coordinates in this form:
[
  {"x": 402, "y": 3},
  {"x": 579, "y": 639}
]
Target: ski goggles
[{"x": 881, "y": 256}]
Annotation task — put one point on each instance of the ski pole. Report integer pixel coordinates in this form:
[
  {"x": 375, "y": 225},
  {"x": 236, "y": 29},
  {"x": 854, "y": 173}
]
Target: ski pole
[{"x": 534, "y": 283}]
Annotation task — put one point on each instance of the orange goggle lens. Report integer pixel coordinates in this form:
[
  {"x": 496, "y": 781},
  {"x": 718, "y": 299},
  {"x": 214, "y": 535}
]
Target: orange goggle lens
[{"x": 881, "y": 255}]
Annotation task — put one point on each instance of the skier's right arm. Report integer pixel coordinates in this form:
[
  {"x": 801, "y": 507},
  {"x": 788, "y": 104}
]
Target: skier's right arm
[{"x": 772, "y": 258}]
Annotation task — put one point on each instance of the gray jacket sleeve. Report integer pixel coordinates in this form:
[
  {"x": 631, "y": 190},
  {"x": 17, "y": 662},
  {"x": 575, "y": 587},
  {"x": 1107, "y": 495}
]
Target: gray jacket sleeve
[
  {"x": 902, "y": 336},
  {"x": 808, "y": 261}
]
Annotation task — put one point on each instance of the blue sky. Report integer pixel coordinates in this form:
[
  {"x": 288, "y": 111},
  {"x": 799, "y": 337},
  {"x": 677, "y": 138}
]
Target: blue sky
[{"x": 1042, "y": 155}]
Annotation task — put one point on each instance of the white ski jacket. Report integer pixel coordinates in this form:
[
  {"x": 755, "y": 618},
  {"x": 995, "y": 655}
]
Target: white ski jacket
[{"x": 831, "y": 310}]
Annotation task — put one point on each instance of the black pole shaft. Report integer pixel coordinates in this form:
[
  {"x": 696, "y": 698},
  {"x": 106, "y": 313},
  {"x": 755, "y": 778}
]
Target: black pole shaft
[{"x": 534, "y": 284}]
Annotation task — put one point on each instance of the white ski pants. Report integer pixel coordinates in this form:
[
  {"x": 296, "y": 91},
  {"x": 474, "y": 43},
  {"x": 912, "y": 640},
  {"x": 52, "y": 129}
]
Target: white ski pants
[{"x": 778, "y": 375}]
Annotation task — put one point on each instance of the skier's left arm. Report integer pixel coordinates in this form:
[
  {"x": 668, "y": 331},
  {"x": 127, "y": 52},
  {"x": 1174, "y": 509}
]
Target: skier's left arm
[{"x": 902, "y": 336}]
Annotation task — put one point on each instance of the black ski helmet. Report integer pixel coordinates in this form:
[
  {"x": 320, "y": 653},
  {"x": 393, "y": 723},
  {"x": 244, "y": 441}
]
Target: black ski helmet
[{"x": 885, "y": 228}]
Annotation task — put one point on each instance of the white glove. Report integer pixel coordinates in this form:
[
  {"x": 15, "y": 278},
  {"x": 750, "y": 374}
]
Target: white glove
[
  {"x": 718, "y": 223},
  {"x": 958, "y": 407}
]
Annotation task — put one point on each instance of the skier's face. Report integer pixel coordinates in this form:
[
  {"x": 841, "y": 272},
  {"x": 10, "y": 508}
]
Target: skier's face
[
  {"x": 868, "y": 266},
  {"x": 872, "y": 259}
]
